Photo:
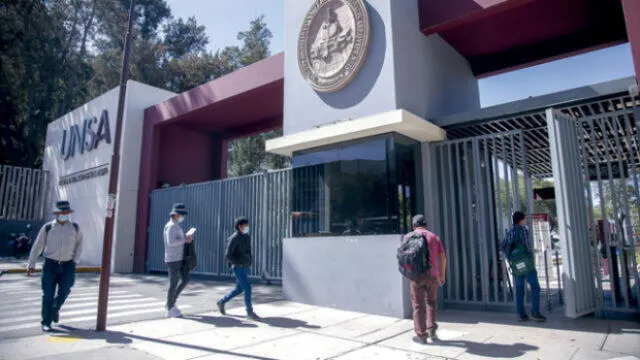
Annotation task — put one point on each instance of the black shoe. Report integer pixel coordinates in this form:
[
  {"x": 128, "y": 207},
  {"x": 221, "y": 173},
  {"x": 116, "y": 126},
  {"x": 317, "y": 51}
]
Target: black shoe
[
  {"x": 523, "y": 318},
  {"x": 422, "y": 340},
  {"x": 254, "y": 316},
  {"x": 46, "y": 328},
  {"x": 56, "y": 316},
  {"x": 538, "y": 317},
  {"x": 434, "y": 336},
  {"x": 221, "y": 308}
]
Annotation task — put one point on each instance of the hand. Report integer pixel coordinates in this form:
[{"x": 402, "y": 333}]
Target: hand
[
  {"x": 189, "y": 239},
  {"x": 442, "y": 281},
  {"x": 30, "y": 271}
]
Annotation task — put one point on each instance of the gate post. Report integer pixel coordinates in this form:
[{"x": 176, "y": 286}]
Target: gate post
[{"x": 579, "y": 284}]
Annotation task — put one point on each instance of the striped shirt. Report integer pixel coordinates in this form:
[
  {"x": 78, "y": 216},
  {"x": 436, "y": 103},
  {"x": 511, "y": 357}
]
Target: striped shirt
[{"x": 174, "y": 241}]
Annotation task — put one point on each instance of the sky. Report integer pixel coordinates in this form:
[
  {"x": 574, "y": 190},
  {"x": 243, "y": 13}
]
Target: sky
[{"x": 224, "y": 19}]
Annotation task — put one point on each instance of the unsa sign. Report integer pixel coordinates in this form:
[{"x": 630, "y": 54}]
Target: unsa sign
[{"x": 86, "y": 137}]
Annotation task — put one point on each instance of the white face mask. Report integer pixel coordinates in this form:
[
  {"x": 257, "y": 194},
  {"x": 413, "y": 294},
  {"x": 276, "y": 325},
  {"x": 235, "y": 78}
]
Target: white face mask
[
  {"x": 181, "y": 219},
  {"x": 62, "y": 218},
  {"x": 245, "y": 230}
]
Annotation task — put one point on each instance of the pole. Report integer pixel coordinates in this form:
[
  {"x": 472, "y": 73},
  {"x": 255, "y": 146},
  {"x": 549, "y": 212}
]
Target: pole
[{"x": 105, "y": 273}]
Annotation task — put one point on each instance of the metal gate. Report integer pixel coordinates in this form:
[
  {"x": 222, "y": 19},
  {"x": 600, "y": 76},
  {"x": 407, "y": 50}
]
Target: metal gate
[
  {"x": 480, "y": 182},
  {"x": 264, "y": 199},
  {"x": 596, "y": 159}
]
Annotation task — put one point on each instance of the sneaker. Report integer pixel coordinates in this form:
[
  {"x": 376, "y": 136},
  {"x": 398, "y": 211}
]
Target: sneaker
[
  {"x": 56, "y": 316},
  {"x": 254, "y": 316},
  {"x": 174, "y": 312},
  {"x": 422, "y": 340},
  {"x": 46, "y": 328},
  {"x": 221, "y": 308},
  {"x": 433, "y": 336},
  {"x": 523, "y": 318},
  {"x": 538, "y": 317}
]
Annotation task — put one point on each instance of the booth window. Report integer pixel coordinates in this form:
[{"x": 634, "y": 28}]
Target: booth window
[{"x": 364, "y": 187}]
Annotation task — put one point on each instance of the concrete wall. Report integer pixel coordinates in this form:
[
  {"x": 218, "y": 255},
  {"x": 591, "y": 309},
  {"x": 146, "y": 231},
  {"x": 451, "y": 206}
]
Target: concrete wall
[
  {"x": 350, "y": 273},
  {"x": 371, "y": 92},
  {"x": 403, "y": 70},
  {"x": 186, "y": 155},
  {"x": 431, "y": 78},
  {"x": 89, "y": 197},
  {"x": 139, "y": 97}
]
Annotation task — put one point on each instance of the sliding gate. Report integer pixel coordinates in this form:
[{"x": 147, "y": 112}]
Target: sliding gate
[
  {"x": 596, "y": 171},
  {"x": 479, "y": 183}
]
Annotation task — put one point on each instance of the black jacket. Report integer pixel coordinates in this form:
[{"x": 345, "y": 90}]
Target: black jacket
[{"x": 239, "y": 250}]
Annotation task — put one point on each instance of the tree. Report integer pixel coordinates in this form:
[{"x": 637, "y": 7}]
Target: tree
[
  {"x": 248, "y": 156},
  {"x": 182, "y": 38}
]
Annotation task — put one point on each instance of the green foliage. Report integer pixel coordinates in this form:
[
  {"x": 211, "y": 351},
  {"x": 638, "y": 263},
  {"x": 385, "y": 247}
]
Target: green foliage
[{"x": 57, "y": 55}]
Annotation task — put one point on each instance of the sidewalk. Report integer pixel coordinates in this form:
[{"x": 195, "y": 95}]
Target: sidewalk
[
  {"x": 298, "y": 332},
  {"x": 15, "y": 266}
]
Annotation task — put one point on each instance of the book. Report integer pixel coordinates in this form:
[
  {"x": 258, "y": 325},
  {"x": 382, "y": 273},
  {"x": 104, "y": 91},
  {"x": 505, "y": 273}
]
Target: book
[{"x": 191, "y": 232}]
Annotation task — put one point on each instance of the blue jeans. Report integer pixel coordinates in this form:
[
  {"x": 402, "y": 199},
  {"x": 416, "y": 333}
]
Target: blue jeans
[
  {"x": 242, "y": 285},
  {"x": 60, "y": 276},
  {"x": 532, "y": 279}
]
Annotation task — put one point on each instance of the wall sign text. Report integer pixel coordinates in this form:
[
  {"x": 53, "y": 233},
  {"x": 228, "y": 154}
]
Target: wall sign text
[{"x": 85, "y": 137}]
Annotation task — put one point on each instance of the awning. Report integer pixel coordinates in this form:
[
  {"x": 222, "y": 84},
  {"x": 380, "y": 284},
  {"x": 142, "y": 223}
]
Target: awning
[{"x": 398, "y": 121}]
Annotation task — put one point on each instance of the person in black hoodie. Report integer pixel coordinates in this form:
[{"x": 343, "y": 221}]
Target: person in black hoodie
[{"x": 239, "y": 256}]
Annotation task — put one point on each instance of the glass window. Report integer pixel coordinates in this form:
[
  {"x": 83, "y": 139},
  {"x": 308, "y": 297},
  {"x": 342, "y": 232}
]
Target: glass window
[{"x": 364, "y": 187}]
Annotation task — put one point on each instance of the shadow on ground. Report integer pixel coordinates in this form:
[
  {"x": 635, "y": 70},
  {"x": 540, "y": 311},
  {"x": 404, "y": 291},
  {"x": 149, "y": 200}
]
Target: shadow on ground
[{"x": 121, "y": 338}]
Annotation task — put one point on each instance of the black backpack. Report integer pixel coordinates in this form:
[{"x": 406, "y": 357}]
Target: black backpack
[{"x": 413, "y": 256}]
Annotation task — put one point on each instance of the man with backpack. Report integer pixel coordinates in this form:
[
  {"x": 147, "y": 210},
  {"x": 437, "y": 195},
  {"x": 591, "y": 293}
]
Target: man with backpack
[
  {"x": 421, "y": 258},
  {"x": 60, "y": 242},
  {"x": 518, "y": 252}
]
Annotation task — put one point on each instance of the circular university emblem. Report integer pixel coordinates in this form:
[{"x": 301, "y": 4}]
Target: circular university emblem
[{"x": 333, "y": 42}]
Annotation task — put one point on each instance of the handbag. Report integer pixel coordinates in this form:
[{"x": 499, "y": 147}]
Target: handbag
[
  {"x": 519, "y": 259},
  {"x": 190, "y": 260}
]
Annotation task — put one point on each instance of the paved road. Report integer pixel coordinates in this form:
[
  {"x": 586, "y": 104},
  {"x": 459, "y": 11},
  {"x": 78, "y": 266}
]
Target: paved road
[{"x": 132, "y": 298}]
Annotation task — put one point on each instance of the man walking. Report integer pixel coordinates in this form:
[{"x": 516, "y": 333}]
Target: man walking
[
  {"x": 239, "y": 256},
  {"x": 424, "y": 289},
  {"x": 60, "y": 242},
  {"x": 517, "y": 249},
  {"x": 174, "y": 240}
]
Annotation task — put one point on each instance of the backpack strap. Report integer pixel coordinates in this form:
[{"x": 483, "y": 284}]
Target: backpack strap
[
  {"x": 47, "y": 228},
  {"x": 75, "y": 226}
]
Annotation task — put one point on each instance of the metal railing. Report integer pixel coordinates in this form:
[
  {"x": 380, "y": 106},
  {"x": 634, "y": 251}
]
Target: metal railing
[
  {"x": 22, "y": 193},
  {"x": 264, "y": 199}
]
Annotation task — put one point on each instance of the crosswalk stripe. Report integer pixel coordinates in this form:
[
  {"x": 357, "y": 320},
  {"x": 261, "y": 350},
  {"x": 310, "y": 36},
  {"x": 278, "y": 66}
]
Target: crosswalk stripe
[
  {"x": 72, "y": 297},
  {"x": 78, "y": 305},
  {"x": 89, "y": 318},
  {"x": 38, "y": 290},
  {"x": 82, "y": 312}
]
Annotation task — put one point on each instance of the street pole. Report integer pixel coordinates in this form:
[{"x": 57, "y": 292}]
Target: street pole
[{"x": 105, "y": 273}]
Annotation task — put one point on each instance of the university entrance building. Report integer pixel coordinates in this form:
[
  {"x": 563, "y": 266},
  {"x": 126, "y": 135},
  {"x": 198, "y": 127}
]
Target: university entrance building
[{"x": 379, "y": 105}]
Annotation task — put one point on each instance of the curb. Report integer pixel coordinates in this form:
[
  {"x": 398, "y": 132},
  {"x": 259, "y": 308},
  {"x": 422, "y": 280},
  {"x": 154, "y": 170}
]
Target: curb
[{"x": 24, "y": 270}]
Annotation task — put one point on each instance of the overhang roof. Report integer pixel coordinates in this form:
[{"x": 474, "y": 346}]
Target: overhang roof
[
  {"x": 399, "y": 121},
  {"x": 247, "y": 97},
  {"x": 501, "y": 35}
]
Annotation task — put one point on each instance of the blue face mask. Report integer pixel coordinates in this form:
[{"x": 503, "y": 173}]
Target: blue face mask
[
  {"x": 181, "y": 219},
  {"x": 245, "y": 230},
  {"x": 62, "y": 218}
]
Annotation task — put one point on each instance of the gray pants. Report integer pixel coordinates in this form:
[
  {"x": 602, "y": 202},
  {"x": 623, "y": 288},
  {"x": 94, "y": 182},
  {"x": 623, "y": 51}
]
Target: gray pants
[{"x": 177, "y": 273}]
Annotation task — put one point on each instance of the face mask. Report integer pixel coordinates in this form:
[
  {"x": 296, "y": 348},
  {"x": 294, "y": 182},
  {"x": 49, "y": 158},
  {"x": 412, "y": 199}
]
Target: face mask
[
  {"x": 245, "y": 230},
  {"x": 63, "y": 218},
  {"x": 181, "y": 219}
]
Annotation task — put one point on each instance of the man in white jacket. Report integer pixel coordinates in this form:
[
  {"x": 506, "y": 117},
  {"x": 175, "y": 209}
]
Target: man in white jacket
[{"x": 174, "y": 240}]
